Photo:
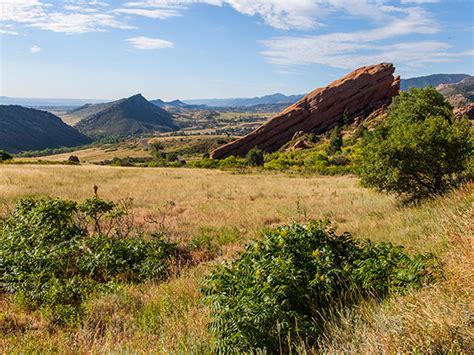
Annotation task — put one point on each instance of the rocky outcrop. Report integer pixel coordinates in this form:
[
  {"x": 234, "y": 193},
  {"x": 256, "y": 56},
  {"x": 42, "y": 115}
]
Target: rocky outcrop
[
  {"x": 358, "y": 93},
  {"x": 460, "y": 94},
  {"x": 466, "y": 111}
]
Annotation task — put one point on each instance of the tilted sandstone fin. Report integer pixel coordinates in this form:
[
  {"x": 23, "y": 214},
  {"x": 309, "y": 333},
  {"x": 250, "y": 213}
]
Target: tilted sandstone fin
[{"x": 367, "y": 88}]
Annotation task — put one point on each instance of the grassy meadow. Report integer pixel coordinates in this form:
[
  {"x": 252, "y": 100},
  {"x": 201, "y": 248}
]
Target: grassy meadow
[{"x": 203, "y": 205}]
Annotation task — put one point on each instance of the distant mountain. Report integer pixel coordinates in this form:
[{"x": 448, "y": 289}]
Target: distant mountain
[
  {"x": 127, "y": 117},
  {"x": 433, "y": 80},
  {"x": 28, "y": 129},
  {"x": 158, "y": 102},
  {"x": 177, "y": 103},
  {"x": 169, "y": 104},
  {"x": 247, "y": 102},
  {"x": 34, "y": 102},
  {"x": 458, "y": 94}
]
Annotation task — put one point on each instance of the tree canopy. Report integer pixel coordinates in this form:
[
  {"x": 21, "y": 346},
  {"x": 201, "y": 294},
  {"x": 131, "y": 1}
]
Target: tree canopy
[{"x": 421, "y": 150}]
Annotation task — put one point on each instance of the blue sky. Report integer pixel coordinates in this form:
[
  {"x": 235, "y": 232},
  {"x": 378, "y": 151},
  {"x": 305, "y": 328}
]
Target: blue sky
[{"x": 186, "y": 49}]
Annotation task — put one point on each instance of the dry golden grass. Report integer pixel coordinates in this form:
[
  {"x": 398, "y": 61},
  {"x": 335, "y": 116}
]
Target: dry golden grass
[
  {"x": 183, "y": 200},
  {"x": 170, "y": 318},
  {"x": 436, "y": 319},
  {"x": 100, "y": 153},
  {"x": 70, "y": 119},
  {"x": 134, "y": 148}
]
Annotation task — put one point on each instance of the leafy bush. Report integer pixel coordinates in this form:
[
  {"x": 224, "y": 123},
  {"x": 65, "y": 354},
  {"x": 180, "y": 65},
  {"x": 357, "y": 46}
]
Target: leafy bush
[
  {"x": 313, "y": 138},
  {"x": 421, "y": 150},
  {"x": 360, "y": 131},
  {"x": 156, "y": 148},
  {"x": 205, "y": 163},
  {"x": 4, "y": 156},
  {"x": 129, "y": 161},
  {"x": 284, "y": 286},
  {"x": 56, "y": 252},
  {"x": 339, "y": 160},
  {"x": 255, "y": 157},
  {"x": 335, "y": 141},
  {"x": 73, "y": 159},
  {"x": 280, "y": 161},
  {"x": 310, "y": 161},
  {"x": 232, "y": 162}
]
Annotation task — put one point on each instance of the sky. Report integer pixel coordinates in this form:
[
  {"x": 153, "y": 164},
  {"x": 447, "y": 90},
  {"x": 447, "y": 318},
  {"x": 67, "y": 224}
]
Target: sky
[{"x": 188, "y": 49}]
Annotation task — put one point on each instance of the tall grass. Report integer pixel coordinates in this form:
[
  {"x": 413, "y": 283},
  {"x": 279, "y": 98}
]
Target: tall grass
[
  {"x": 436, "y": 319},
  {"x": 170, "y": 318}
]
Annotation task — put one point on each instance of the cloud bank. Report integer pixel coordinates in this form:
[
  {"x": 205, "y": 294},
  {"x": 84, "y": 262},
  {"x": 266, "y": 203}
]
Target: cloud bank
[{"x": 388, "y": 24}]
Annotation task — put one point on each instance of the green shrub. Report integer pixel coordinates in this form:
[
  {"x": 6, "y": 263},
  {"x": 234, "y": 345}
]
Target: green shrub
[
  {"x": 232, "y": 162},
  {"x": 116, "y": 161},
  {"x": 280, "y": 289},
  {"x": 156, "y": 148},
  {"x": 211, "y": 239},
  {"x": 172, "y": 157},
  {"x": 205, "y": 163},
  {"x": 360, "y": 131},
  {"x": 4, "y": 156},
  {"x": 283, "y": 161},
  {"x": 335, "y": 141},
  {"x": 56, "y": 252},
  {"x": 313, "y": 138},
  {"x": 255, "y": 157},
  {"x": 73, "y": 159},
  {"x": 339, "y": 160},
  {"x": 421, "y": 150}
]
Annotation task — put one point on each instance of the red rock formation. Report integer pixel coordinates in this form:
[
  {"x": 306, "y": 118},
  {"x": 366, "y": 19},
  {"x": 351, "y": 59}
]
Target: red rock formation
[
  {"x": 301, "y": 144},
  {"x": 362, "y": 91},
  {"x": 467, "y": 111}
]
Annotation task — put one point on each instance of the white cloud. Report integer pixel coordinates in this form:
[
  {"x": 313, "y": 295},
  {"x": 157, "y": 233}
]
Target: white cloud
[
  {"x": 78, "y": 8},
  {"x": 22, "y": 11},
  {"x": 292, "y": 14},
  {"x": 7, "y": 30},
  {"x": 149, "y": 43},
  {"x": 388, "y": 20},
  {"x": 75, "y": 16},
  {"x": 35, "y": 49},
  {"x": 155, "y": 13},
  {"x": 75, "y": 23},
  {"x": 282, "y": 14},
  {"x": 349, "y": 50},
  {"x": 98, "y": 3},
  {"x": 419, "y": 1}
]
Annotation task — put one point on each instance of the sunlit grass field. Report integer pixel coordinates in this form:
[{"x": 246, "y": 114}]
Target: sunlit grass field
[
  {"x": 170, "y": 318},
  {"x": 185, "y": 200}
]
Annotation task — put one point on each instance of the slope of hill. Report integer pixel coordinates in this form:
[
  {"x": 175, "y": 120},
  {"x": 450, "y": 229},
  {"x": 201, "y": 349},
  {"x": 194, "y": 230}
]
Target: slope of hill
[
  {"x": 127, "y": 117},
  {"x": 433, "y": 80},
  {"x": 458, "y": 94},
  {"x": 89, "y": 109},
  {"x": 28, "y": 129},
  {"x": 74, "y": 116},
  {"x": 247, "y": 102}
]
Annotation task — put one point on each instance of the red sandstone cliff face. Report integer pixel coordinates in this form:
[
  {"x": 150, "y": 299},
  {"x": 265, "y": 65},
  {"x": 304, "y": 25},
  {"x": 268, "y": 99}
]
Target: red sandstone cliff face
[{"x": 362, "y": 91}]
